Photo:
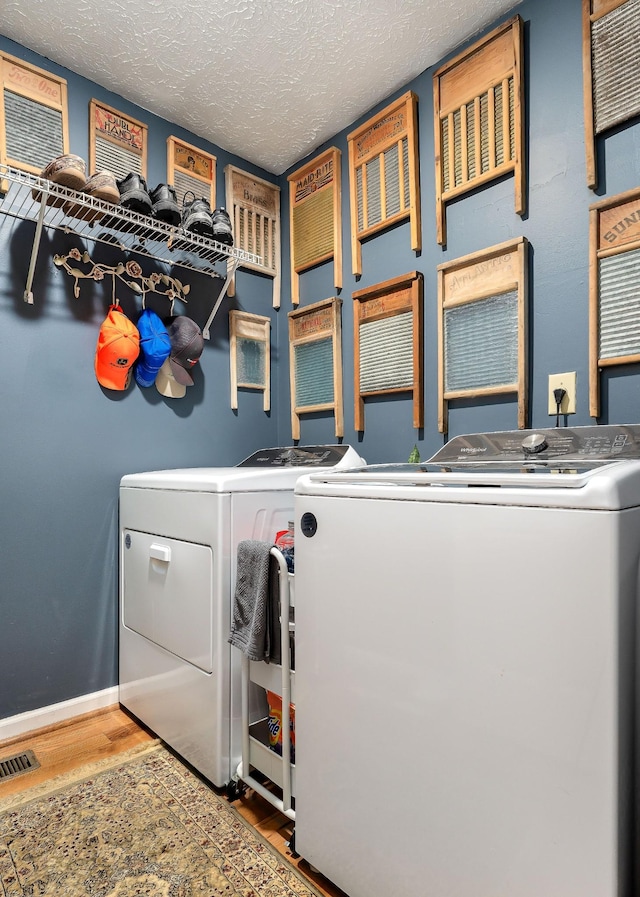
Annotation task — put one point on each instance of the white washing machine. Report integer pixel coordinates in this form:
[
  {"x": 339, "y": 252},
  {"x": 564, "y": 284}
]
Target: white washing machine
[
  {"x": 179, "y": 532},
  {"x": 466, "y": 668}
]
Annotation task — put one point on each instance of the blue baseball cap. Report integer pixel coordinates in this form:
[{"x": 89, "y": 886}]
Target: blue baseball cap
[{"x": 155, "y": 347}]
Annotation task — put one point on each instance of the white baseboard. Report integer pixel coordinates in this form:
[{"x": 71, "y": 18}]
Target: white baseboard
[{"x": 13, "y": 726}]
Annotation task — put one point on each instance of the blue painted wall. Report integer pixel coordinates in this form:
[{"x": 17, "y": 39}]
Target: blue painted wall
[
  {"x": 556, "y": 225},
  {"x": 65, "y": 443}
]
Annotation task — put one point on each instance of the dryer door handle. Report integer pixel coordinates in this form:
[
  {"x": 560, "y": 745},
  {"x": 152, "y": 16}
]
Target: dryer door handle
[{"x": 160, "y": 552}]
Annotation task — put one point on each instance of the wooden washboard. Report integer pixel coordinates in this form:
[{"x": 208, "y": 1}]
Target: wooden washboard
[
  {"x": 254, "y": 206},
  {"x": 250, "y": 355},
  {"x": 482, "y": 327},
  {"x": 34, "y": 118},
  {"x": 384, "y": 175},
  {"x": 388, "y": 343},
  {"x": 610, "y": 60},
  {"x": 190, "y": 168},
  {"x": 315, "y": 359},
  {"x": 117, "y": 142},
  {"x": 614, "y": 273},
  {"x": 315, "y": 211},
  {"x": 479, "y": 119}
]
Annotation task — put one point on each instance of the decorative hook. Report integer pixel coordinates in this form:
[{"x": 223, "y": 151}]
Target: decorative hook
[{"x": 130, "y": 273}]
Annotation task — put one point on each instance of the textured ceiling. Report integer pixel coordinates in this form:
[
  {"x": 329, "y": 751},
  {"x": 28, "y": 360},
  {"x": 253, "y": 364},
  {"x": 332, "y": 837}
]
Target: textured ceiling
[{"x": 269, "y": 80}]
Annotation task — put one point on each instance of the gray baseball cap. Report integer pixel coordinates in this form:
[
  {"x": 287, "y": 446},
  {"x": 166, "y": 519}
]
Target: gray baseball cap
[{"x": 187, "y": 344}]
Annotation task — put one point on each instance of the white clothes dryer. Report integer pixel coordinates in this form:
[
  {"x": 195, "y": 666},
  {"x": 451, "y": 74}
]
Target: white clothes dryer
[
  {"x": 466, "y": 666},
  {"x": 179, "y": 532}
]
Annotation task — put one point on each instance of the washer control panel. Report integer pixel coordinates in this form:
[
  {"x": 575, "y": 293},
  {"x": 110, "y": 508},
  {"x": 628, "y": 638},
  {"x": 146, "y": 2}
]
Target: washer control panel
[
  {"x": 587, "y": 445},
  {"x": 304, "y": 456}
]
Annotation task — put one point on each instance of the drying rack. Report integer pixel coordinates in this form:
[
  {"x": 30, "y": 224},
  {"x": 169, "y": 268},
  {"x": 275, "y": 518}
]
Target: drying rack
[
  {"x": 280, "y": 679},
  {"x": 29, "y": 197}
]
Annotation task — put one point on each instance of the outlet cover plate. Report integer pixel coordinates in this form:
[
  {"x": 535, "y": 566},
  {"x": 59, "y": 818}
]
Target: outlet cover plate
[{"x": 568, "y": 383}]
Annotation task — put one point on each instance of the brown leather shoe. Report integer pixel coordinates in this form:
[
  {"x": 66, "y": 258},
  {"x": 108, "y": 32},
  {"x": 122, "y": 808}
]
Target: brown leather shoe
[
  {"x": 101, "y": 186},
  {"x": 68, "y": 171}
]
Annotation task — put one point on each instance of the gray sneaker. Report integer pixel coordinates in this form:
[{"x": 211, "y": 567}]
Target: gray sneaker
[
  {"x": 222, "y": 227},
  {"x": 196, "y": 216},
  {"x": 134, "y": 194}
]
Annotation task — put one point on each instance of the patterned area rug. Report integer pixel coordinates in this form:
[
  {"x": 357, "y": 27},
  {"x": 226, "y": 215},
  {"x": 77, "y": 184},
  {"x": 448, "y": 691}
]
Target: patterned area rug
[{"x": 138, "y": 825}]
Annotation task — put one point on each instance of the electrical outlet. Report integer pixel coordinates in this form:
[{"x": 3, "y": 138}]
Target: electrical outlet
[{"x": 568, "y": 383}]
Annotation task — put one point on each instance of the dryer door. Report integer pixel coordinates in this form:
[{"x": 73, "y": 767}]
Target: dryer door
[{"x": 167, "y": 587}]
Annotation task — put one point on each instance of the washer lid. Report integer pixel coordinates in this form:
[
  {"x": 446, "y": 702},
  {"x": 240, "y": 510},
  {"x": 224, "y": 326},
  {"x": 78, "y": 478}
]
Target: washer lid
[
  {"x": 266, "y": 469},
  {"x": 585, "y": 467}
]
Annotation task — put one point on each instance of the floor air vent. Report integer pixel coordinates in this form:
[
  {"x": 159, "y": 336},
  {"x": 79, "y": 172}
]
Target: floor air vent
[{"x": 18, "y": 764}]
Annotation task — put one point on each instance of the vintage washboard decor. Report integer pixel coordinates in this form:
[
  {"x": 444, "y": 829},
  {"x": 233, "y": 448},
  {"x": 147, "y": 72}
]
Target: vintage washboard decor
[
  {"x": 250, "y": 355},
  {"x": 315, "y": 206},
  {"x": 315, "y": 358},
  {"x": 611, "y": 56},
  {"x": 190, "y": 168},
  {"x": 117, "y": 142},
  {"x": 34, "y": 119},
  {"x": 254, "y": 206},
  {"x": 479, "y": 119},
  {"x": 383, "y": 175},
  {"x": 614, "y": 274},
  {"x": 482, "y": 327},
  {"x": 388, "y": 343}
]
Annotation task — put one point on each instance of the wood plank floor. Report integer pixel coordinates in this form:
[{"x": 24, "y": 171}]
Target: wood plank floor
[{"x": 111, "y": 731}]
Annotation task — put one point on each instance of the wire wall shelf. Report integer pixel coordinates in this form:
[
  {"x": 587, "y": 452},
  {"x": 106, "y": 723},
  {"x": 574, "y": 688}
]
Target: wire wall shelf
[{"x": 29, "y": 197}]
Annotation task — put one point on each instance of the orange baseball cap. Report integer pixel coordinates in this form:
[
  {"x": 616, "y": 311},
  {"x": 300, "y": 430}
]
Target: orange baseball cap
[{"x": 117, "y": 349}]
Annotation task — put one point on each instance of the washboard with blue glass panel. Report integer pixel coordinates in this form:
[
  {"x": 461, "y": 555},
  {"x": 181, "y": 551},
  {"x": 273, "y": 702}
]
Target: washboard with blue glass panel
[
  {"x": 315, "y": 357},
  {"x": 250, "y": 355}
]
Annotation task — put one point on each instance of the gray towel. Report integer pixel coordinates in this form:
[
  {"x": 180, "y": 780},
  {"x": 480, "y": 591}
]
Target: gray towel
[
  {"x": 255, "y": 603},
  {"x": 273, "y": 612}
]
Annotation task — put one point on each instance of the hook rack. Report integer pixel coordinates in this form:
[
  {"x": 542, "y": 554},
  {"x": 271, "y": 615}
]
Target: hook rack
[
  {"x": 29, "y": 197},
  {"x": 130, "y": 273}
]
